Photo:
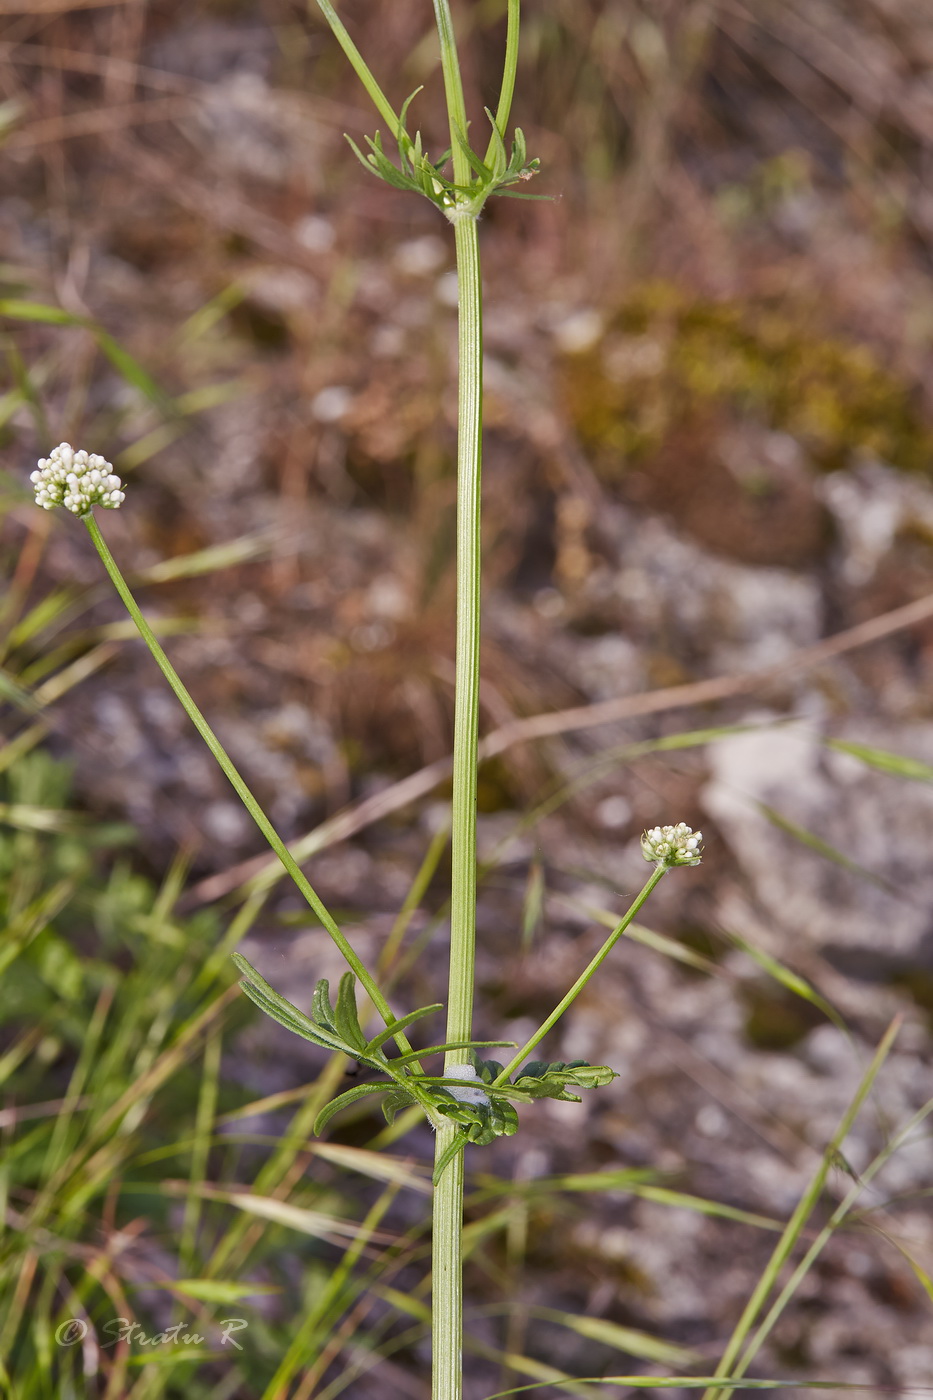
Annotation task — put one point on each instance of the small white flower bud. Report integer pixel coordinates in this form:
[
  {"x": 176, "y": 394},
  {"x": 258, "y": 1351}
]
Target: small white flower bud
[
  {"x": 76, "y": 480},
  {"x": 672, "y": 845}
]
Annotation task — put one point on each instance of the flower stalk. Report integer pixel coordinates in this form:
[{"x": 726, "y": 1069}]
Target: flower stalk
[{"x": 233, "y": 775}]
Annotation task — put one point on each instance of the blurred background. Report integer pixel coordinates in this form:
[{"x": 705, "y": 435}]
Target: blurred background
[{"x": 709, "y": 438}]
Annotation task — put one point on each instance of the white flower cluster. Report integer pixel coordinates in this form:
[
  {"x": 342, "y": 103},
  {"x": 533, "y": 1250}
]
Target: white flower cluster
[
  {"x": 76, "y": 480},
  {"x": 673, "y": 845}
]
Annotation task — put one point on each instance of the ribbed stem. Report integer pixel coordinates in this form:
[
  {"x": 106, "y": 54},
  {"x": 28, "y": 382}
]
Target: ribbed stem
[
  {"x": 448, "y": 1195},
  {"x": 466, "y": 715}
]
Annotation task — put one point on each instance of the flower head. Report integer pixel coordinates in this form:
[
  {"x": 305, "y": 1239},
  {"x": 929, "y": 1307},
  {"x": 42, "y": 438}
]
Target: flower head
[
  {"x": 672, "y": 845},
  {"x": 76, "y": 480}
]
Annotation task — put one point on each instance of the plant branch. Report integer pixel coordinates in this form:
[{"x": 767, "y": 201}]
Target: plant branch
[
  {"x": 233, "y": 776},
  {"x": 361, "y": 68},
  {"x": 453, "y": 88},
  {"x": 509, "y": 71},
  {"x": 653, "y": 881}
]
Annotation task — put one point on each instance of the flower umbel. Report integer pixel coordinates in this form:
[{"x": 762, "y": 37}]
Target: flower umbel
[
  {"x": 672, "y": 845},
  {"x": 76, "y": 480}
]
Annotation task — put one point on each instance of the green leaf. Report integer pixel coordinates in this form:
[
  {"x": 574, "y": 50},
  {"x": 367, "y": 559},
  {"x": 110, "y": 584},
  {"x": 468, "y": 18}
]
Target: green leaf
[
  {"x": 501, "y": 160},
  {"x": 322, "y": 1013},
  {"x": 346, "y": 1017},
  {"x": 360, "y": 1091},
  {"x": 405, "y": 145},
  {"x": 538, "y": 1080},
  {"x": 402, "y": 1024},
  {"x": 663, "y": 1195},
  {"x": 520, "y": 194},
  {"x": 482, "y": 1122},
  {"x": 395, "y": 1100},
  {"x": 292, "y": 1019},
  {"x": 439, "y": 1049},
  {"x": 448, "y": 1155},
  {"x": 481, "y": 168},
  {"x": 276, "y": 1006},
  {"x": 379, "y": 162}
]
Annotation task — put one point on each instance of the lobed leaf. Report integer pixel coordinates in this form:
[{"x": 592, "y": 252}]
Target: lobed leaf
[{"x": 342, "y": 1101}]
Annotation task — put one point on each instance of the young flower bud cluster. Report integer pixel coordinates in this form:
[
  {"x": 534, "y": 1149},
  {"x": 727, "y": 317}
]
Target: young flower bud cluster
[
  {"x": 672, "y": 845},
  {"x": 76, "y": 480}
]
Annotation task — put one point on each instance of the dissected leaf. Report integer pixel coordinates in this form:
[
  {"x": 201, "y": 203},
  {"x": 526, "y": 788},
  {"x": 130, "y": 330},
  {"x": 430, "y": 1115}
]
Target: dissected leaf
[
  {"x": 540, "y": 1080},
  {"x": 342, "y": 1101},
  {"x": 273, "y": 1004}
]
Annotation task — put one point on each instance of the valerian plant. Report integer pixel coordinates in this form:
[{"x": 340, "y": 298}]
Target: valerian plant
[{"x": 474, "y": 1100}]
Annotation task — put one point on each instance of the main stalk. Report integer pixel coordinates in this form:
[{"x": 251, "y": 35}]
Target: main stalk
[{"x": 448, "y": 1195}]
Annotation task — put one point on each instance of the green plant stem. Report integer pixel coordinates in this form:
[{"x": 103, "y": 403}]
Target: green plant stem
[
  {"x": 509, "y": 71},
  {"x": 447, "y": 1249},
  {"x": 447, "y": 1275},
  {"x": 466, "y": 710},
  {"x": 361, "y": 69},
  {"x": 239, "y": 786},
  {"x": 456, "y": 113},
  {"x": 655, "y": 878},
  {"x": 448, "y": 1195}
]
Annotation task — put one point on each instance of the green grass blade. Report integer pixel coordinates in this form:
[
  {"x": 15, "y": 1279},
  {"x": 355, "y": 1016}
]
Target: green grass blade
[
  {"x": 790, "y": 981},
  {"x": 627, "y": 1339},
  {"x": 824, "y": 849},
  {"x": 801, "y": 1215},
  {"x": 896, "y": 764}
]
